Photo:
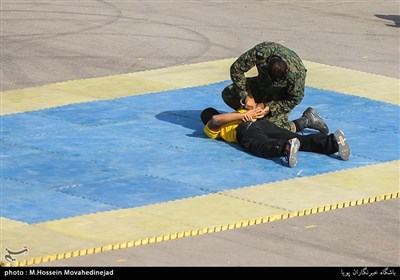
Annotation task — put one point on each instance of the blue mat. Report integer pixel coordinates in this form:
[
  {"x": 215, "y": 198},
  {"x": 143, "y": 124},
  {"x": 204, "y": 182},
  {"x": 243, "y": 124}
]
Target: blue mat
[{"x": 139, "y": 150}]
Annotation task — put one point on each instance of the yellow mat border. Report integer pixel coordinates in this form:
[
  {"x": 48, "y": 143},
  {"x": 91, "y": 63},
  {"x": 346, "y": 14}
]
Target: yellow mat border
[{"x": 196, "y": 232}]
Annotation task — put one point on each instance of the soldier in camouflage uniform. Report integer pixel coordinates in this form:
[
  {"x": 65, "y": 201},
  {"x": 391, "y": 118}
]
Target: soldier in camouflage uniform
[{"x": 279, "y": 86}]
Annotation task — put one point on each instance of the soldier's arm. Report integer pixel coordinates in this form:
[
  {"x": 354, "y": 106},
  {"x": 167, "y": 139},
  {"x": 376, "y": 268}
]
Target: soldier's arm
[
  {"x": 296, "y": 91},
  {"x": 247, "y": 61}
]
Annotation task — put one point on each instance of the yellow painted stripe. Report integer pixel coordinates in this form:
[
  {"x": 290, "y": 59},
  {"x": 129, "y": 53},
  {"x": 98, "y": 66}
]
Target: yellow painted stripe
[{"x": 319, "y": 76}]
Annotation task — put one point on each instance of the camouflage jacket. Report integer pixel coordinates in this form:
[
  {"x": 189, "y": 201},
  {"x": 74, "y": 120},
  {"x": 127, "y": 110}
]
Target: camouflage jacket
[{"x": 292, "y": 85}]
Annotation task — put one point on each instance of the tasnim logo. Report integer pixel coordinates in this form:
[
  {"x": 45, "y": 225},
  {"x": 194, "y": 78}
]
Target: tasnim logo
[{"x": 9, "y": 256}]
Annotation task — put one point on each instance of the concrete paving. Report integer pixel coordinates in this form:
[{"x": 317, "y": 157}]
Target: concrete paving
[{"x": 50, "y": 41}]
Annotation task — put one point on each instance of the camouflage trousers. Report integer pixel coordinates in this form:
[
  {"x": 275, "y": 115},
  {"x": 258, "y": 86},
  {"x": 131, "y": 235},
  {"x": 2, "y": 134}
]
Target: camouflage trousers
[{"x": 231, "y": 96}]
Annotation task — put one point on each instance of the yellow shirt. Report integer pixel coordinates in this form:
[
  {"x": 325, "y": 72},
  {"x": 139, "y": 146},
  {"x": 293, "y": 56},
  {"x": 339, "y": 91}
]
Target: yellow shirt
[{"x": 227, "y": 131}]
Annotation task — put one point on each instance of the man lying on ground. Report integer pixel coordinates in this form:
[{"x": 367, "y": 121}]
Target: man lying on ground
[{"x": 264, "y": 139}]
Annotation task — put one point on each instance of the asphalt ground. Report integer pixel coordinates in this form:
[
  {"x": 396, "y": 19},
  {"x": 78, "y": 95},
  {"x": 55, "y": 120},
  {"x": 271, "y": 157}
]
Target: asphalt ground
[{"x": 44, "y": 42}]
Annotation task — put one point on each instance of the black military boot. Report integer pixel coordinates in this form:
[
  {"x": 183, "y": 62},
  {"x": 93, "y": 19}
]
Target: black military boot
[{"x": 310, "y": 119}]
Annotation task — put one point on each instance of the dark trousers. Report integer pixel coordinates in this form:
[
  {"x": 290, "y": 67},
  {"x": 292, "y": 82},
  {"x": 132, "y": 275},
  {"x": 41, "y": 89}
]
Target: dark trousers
[{"x": 264, "y": 139}]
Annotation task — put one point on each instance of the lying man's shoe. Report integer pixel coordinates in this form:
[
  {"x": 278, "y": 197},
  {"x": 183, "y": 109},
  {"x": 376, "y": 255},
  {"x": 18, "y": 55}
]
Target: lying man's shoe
[
  {"x": 290, "y": 152},
  {"x": 343, "y": 145}
]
